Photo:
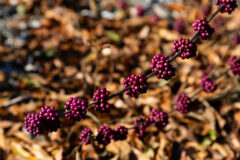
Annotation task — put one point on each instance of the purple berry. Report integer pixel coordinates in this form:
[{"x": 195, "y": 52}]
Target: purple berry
[
  {"x": 187, "y": 48},
  {"x": 105, "y": 134},
  {"x": 183, "y": 103},
  {"x": 33, "y": 123},
  {"x": 208, "y": 84},
  {"x": 123, "y": 4},
  {"x": 120, "y": 133},
  {"x": 206, "y": 10},
  {"x": 162, "y": 64},
  {"x": 140, "y": 125},
  {"x": 178, "y": 25},
  {"x": 138, "y": 85},
  {"x": 75, "y": 109},
  {"x": 140, "y": 10},
  {"x": 236, "y": 39},
  {"x": 85, "y": 136},
  {"x": 205, "y": 31},
  {"x": 229, "y": 5},
  {"x": 159, "y": 118},
  {"x": 154, "y": 19},
  {"x": 234, "y": 62},
  {"x": 218, "y": 22},
  {"x": 49, "y": 118},
  {"x": 101, "y": 95}
]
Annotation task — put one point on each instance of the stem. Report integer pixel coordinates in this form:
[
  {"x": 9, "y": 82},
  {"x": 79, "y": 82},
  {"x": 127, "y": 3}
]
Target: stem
[
  {"x": 95, "y": 102},
  {"x": 215, "y": 13},
  {"x": 172, "y": 110},
  {"x": 93, "y": 117},
  {"x": 196, "y": 93},
  {"x": 201, "y": 89},
  {"x": 152, "y": 74},
  {"x": 131, "y": 128},
  {"x": 219, "y": 76},
  {"x": 120, "y": 92}
]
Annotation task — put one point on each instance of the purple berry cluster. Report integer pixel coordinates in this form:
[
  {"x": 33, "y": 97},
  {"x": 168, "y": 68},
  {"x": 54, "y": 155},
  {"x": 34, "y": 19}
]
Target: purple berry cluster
[
  {"x": 205, "y": 31},
  {"x": 101, "y": 95},
  {"x": 140, "y": 125},
  {"x": 158, "y": 118},
  {"x": 49, "y": 118},
  {"x": 206, "y": 10},
  {"x": 179, "y": 25},
  {"x": 187, "y": 48},
  {"x": 154, "y": 19},
  {"x": 46, "y": 120},
  {"x": 236, "y": 39},
  {"x": 208, "y": 84},
  {"x": 105, "y": 134},
  {"x": 183, "y": 103},
  {"x": 162, "y": 64},
  {"x": 75, "y": 109},
  {"x": 123, "y": 4},
  {"x": 85, "y": 136},
  {"x": 218, "y": 22},
  {"x": 234, "y": 62},
  {"x": 140, "y": 10},
  {"x": 138, "y": 85},
  {"x": 229, "y": 5},
  {"x": 33, "y": 123},
  {"x": 120, "y": 133}
]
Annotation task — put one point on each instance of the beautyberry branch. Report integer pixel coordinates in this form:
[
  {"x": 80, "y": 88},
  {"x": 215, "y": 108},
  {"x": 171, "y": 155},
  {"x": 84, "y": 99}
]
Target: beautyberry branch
[{"x": 170, "y": 60}]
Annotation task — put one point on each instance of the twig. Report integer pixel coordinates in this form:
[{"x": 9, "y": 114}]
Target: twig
[
  {"x": 15, "y": 100},
  {"x": 201, "y": 89},
  {"x": 93, "y": 117}
]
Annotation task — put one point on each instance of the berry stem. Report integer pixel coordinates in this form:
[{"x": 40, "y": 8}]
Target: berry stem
[
  {"x": 89, "y": 114},
  {"x": 95, "y": 102},
  {"x": 201, "y": 89},
  {"x": 119, "y": 92},
  {"x": 196, "y": 93},
  {"x": 131, "y": 128},
  {"x": 225, "y": 72},
  {"x": 152, "y": 74},
  {"x": 215, "y": 13}
]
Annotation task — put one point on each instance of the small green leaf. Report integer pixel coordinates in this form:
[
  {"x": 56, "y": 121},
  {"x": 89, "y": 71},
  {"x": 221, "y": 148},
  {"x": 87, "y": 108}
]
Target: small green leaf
[
  {"x": 21, "y": 10},
  {"x": 50, "y": 52},
  {"x": 149, "y": 152},
  {"x": 208, "y": 140},
  {"x": 31, "y": 83},
  {"x": 212, "y": 135},
  {"x": 113, "y": 35}
]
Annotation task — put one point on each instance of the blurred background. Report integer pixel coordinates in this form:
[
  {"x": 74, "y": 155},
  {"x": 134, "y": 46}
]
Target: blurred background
[{"x": 51, "y": 50}]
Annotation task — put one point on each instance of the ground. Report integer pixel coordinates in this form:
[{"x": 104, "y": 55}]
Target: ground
[{"x": 53, "y": 50}]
